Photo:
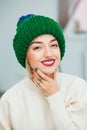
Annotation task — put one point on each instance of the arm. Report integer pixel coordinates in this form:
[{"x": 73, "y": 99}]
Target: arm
[
  {"x": 64, "y": 119},
  {"x": 60, "y": 114}
]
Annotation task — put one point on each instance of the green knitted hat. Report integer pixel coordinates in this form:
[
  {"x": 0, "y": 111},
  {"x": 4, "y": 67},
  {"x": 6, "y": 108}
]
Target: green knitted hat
[{"x": 32, "y": 26}]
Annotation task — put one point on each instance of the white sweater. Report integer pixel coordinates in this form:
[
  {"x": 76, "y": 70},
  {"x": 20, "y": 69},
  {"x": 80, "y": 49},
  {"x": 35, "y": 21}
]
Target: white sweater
[{"x": 24, "y": 107}]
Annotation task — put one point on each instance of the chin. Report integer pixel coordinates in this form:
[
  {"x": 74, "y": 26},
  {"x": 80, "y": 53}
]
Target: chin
[{"x": 49, "y": 71}]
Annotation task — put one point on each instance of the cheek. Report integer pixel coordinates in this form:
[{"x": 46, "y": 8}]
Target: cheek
[
  {"x": 33, "y": 57},
  {"x": 57, "y": 53}
]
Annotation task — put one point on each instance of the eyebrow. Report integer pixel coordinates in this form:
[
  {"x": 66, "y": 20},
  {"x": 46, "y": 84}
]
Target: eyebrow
[
  {"x": 53, "y": 40},
  {"x": 39, "y": 42}
]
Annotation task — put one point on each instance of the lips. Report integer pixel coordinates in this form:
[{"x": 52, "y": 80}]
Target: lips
[{"x": 48, "y": 62}]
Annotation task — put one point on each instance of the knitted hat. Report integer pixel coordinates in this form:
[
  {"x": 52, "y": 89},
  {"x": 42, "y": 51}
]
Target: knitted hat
[{"x": 32, "y": 26}]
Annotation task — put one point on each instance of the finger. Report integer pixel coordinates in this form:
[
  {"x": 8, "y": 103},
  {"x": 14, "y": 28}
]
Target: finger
[
  {"x": 35, "y": 74},
  {"x": 54, "y": 75},
  {"x": 38, "y": 78},
  {"x": 42, "y": 75},
  {"x": 37, "y": 83}
]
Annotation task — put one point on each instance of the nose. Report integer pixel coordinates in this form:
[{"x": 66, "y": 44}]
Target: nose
[{"x": 48, "y": 52}]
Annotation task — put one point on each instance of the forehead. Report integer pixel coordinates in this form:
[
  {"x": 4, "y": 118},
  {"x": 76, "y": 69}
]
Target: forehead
[{"x": 43, "y": 38}]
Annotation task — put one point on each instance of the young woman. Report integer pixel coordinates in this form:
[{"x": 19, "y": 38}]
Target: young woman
[{"x": 46, "y": 99}]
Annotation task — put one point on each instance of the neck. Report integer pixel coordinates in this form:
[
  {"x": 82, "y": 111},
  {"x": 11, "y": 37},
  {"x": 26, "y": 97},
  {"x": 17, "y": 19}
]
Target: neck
[{"x": 51, "y": 75}]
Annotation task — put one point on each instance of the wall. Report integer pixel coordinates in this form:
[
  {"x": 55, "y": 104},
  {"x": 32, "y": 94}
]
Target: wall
[
  {"x": 75, "y": 58},
  {"x": 10, "y": 10}
]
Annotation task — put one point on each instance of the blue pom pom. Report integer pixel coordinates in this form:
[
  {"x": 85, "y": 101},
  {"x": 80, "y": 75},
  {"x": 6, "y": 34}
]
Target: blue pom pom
[{"x": 24, "y": 17}]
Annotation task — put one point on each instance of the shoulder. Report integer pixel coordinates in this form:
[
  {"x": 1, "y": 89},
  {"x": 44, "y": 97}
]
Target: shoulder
[
  {"x": 72, "y": 87},
  {"x": 18, "y": 89},
  {"x": 72, "y": 82},
  {"x": 70, "y": 78}
]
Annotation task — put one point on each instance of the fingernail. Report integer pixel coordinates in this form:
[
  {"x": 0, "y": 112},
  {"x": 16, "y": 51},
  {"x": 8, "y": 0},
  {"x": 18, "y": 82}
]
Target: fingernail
[{"x": 35, "y": 69}]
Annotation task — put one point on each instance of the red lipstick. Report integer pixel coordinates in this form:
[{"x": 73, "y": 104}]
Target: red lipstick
[{"x": 48, "y": 62}]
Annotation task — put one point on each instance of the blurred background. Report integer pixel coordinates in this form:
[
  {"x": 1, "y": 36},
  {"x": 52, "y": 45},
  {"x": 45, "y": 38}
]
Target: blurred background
[{"x": 71, "y": 14}]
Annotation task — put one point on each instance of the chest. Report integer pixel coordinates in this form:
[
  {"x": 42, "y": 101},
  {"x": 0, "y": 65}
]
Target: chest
[{"x": 32, "y": 114}]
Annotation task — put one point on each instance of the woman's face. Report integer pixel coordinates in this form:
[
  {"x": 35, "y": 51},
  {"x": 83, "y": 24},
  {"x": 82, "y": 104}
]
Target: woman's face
[{"x": 44, "y": 54}]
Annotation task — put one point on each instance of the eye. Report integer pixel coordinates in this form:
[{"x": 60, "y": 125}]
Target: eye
[
  {"x": 37, "y": 48},
  {"x": 54, "y": 45}
]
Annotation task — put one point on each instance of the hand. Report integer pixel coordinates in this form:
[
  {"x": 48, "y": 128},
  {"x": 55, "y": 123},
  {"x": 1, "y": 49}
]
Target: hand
[{"x": 48, "y": 86}]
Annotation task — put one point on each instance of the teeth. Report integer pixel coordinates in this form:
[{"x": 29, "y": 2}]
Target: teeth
[{"x": 48, "y": 62}]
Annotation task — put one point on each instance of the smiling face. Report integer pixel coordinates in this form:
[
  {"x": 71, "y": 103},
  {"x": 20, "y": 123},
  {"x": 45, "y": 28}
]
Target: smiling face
[{"x": 44, "y": 54}]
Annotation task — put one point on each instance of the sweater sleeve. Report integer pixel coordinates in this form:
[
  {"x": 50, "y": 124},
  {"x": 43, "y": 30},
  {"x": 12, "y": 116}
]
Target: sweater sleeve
[
  {"x": 59, "y": 113},
  {"x": 69, "y": 105},
  {"x": 4, "y": 115}
]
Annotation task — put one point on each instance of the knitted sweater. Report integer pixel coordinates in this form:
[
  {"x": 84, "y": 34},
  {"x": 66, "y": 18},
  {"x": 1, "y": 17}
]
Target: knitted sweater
[{"x": 24, "y": 107}]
